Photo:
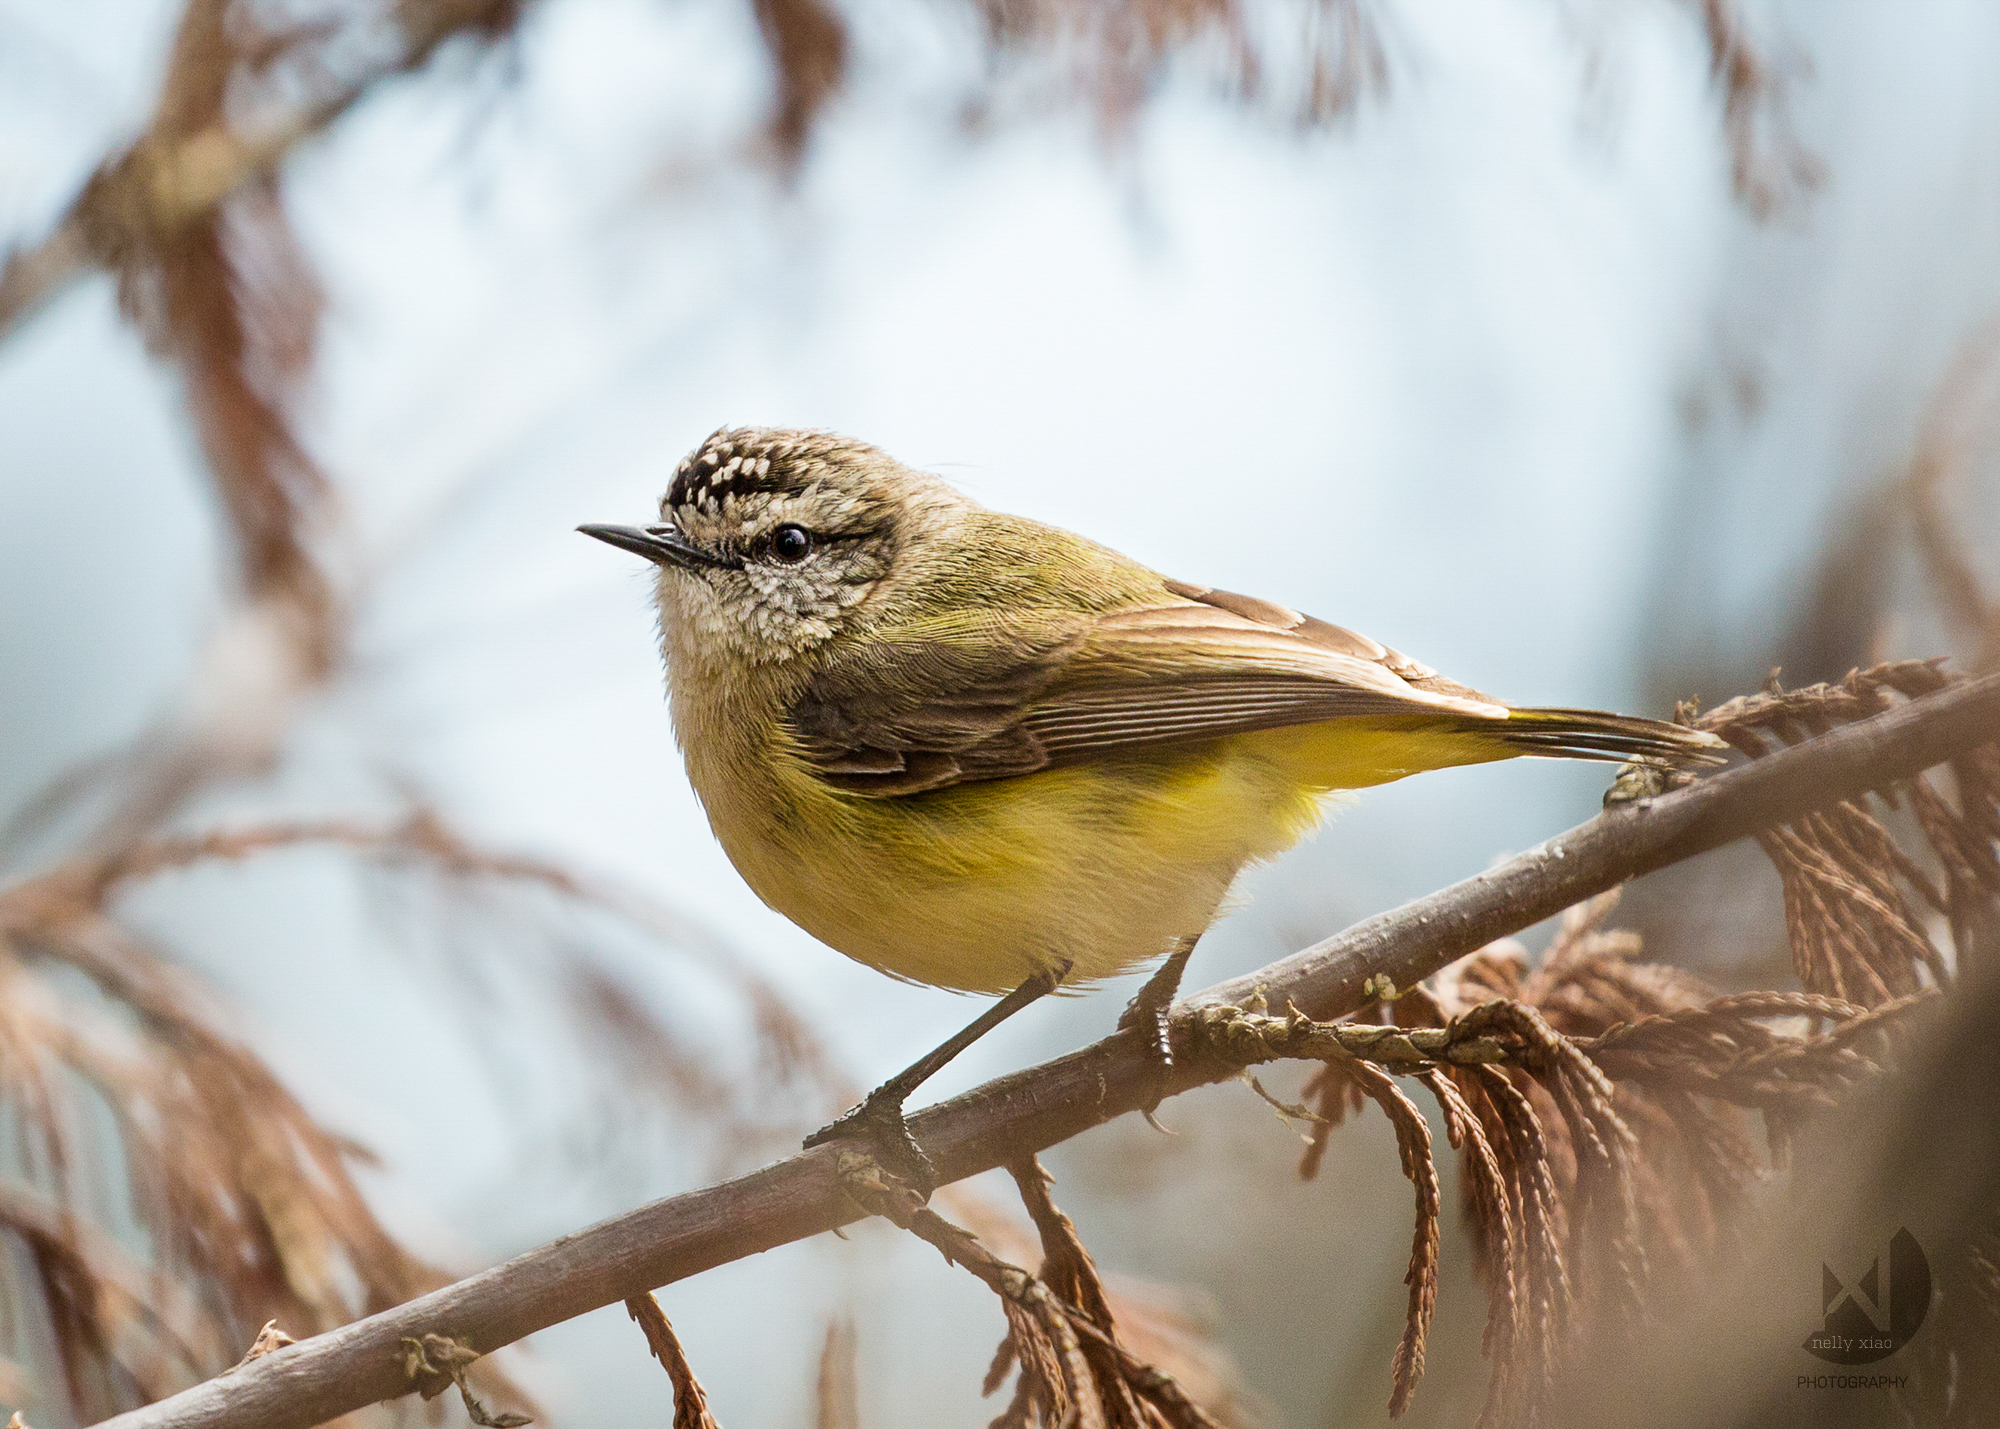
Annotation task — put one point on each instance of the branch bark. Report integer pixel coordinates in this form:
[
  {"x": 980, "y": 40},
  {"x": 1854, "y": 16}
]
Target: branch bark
[{"x": 332, "y": 1374}]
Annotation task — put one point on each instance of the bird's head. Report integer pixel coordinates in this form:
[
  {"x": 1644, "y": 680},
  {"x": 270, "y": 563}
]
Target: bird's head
[{"x": 770, "y": 540}]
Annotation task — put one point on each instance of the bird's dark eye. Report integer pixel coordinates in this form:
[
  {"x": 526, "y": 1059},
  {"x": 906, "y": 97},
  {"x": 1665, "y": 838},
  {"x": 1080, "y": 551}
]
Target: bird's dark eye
[{"x": 791, "y": 544}]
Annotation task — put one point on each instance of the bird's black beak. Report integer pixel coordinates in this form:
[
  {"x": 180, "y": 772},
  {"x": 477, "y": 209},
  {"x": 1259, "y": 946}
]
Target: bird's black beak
[{"x": 662, "y": 545}]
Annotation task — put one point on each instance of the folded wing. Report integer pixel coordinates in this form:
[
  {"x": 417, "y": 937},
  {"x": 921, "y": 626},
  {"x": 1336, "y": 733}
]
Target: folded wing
[{"x": 975, "y": 698}]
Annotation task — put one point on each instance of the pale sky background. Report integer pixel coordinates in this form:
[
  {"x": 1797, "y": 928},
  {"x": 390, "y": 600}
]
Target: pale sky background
[{"x": 1429, "y": 374}]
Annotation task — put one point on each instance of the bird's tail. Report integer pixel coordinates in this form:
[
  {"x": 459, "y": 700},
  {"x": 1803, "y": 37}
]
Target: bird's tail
[{"x": 1592, "y": 734}]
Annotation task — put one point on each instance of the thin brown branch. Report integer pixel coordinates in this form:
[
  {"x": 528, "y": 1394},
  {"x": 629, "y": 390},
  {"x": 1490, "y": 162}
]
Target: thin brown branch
[
  {"x": 1057, "y": 1383},
  {"x": 331, "y": 1374},
  {"x": 1074, "y": 1371}
]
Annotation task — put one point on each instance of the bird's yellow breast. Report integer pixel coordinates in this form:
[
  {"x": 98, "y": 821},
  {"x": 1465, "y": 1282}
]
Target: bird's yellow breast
[{"x": 1103, "y": 865}]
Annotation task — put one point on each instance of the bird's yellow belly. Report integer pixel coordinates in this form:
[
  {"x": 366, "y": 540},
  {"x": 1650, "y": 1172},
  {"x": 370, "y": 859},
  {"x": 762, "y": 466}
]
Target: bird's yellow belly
[{"x": 1101, "y": 866}]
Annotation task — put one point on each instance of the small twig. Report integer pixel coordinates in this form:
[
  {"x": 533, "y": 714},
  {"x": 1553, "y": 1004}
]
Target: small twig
[
  {"x": 1514, "y": 1034},
  {"x": 435, "y": 1362},
  {"x": 268, "y": 1339},
  {"x": 1050, "y": 1358},
  {"x": 1073, "y": 1369},
  {"x": 1244, "y": 1039},
  {"x": 1288, "y": 1112}
]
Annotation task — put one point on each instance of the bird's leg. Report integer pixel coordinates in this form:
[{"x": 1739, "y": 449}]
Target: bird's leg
[
  {"x": 1148, "y": 1013},
  {"x": 879, "y": 1119}
]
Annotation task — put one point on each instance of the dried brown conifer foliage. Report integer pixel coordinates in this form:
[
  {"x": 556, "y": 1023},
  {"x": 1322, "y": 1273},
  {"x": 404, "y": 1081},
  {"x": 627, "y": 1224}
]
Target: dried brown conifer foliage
[
  {"x": 188, "y": 217},
  {"x": 807, "y": 42},
  {"x": 240, "y": 358},
  {"x": 788, "y": 1051},
  {"x": 1600, "y": 1104},
  {"x": 163, "y": 1194},
  {"x": 191, "y": 222},
  {"x": 690, "y": 1400},
  {"x": 1857, "y": 905},
  {"x": 167, "y": 1195}
]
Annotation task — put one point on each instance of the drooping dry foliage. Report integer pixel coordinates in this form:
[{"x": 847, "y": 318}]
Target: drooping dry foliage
[
  {"x": 1857, "y": 906},
  {"x": 170, "y": 1195},
  {"x": 189, "y": 219},
  {"x": 690, "y": 1400},
  {"x": 788, "y": 1068},
  {"x": 807, "y": 42},
  {"x": 1599, "y": 1103},
  {"x": 165, "y": 1194},
  {"x": 234, "y": 1207},
  {"x": 1602, "y": 1158}
]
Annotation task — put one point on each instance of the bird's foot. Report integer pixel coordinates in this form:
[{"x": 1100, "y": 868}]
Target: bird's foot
[
  {"x": 1148, "y": 1014},
  {"x": 879, "y": 1124},
  {"x": 1157, "y": 1037},
  {"x": 1148, "y": 1017}
]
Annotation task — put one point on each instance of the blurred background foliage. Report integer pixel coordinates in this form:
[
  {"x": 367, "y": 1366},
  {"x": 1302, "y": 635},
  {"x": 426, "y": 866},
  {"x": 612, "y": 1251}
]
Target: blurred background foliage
[{"x": 358, "y": 927}]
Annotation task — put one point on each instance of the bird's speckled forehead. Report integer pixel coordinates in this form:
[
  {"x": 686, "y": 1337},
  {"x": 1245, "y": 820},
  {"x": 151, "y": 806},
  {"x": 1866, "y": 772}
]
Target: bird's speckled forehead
[{"x": 741, "y": 461}]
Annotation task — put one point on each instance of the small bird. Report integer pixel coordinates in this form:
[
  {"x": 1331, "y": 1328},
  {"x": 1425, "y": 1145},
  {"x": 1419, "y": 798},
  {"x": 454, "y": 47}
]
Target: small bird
[{"x": 978, "y": 752}]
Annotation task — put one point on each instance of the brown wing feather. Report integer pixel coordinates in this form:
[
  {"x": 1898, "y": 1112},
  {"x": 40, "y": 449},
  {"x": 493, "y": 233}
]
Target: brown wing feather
[
  {"x": 1084, "y": 724},
  {"x": 1337, "y": 638},
  {"x": 985, "y": 703}
]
